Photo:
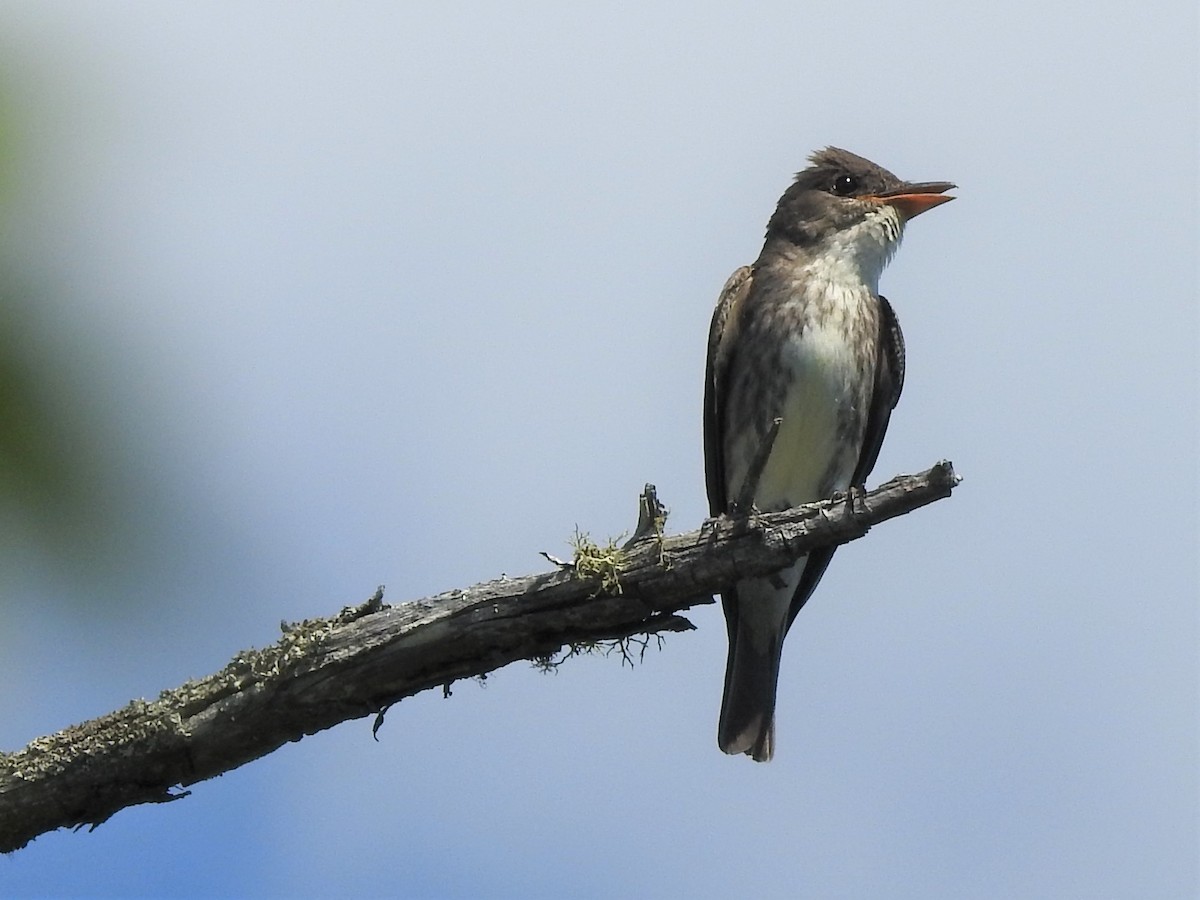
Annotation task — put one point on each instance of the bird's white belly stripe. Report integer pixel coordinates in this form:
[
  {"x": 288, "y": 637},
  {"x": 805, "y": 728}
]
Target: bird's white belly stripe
[{"x": 822, "y": 369}]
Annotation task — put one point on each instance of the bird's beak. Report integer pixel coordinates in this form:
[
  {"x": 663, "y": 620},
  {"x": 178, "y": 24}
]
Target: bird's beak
[{"x": 913, "y": 199}]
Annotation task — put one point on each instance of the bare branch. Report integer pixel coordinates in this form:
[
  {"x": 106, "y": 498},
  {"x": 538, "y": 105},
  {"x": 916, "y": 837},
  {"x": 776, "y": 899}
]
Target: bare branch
[{"x": 357, "y": 663}]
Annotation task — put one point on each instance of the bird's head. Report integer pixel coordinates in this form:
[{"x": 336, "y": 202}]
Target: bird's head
[{"x": 845, "y": 203}]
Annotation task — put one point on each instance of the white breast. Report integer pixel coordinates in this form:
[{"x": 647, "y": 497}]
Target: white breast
[
  {"x": 834, "y": 296},
  {"x": 811, "y": 447}
]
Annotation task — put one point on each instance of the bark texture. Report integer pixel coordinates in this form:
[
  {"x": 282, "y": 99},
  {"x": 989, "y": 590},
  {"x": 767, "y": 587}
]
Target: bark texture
[{"x": 362, "y": 660}]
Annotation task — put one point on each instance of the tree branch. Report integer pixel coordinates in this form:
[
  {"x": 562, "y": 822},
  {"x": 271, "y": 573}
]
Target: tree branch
[{"x": 359, "y": 662}]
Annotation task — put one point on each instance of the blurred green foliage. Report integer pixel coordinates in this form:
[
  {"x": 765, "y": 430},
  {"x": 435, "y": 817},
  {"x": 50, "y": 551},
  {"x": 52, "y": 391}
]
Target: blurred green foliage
[
  {"x": 41, "y": 466},
  {"x": 61, "y": 473}
]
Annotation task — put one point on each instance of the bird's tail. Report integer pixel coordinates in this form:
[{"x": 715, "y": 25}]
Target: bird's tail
[{"x": 748, "y": 707}]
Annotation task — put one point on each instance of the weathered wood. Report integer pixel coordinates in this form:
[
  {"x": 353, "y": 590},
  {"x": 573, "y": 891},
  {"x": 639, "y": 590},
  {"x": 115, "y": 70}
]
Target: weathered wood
[{"x": 325, "y": 671}]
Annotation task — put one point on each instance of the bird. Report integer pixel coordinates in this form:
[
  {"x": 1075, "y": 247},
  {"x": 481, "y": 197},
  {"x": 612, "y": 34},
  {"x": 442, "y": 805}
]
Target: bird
[{"x": 805, "y": 364}]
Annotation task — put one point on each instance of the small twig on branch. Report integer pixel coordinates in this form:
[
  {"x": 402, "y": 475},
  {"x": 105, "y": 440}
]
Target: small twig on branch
[
  {"x": 652, "y": 516},
  {"x": 357, "y": 663}
]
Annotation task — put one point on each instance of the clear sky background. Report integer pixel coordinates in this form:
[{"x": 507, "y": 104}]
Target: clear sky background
[{"x": 327, "y": 296}]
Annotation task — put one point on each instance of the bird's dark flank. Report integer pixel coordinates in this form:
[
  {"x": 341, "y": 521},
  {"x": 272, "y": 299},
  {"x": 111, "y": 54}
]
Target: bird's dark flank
[{"x": 802, "y": 335}]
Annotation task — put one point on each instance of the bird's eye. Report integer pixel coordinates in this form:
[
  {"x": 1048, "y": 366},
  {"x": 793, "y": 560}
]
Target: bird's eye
[{"x": 845, "y": 185}]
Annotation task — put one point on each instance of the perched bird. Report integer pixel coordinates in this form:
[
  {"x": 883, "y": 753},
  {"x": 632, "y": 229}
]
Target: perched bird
[{"x": 802, "y": 336}]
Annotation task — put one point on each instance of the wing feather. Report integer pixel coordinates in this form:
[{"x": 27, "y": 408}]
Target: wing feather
[{"x": 721, "y": 340}]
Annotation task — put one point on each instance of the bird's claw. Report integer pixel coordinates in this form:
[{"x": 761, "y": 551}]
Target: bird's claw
[
  {"x": 737, "y": 511},
  {"x": 854, "y": 499}
]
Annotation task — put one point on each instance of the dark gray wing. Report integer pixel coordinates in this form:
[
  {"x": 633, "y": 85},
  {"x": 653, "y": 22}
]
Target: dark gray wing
[
  {"x": 721, "y": 335},
  {"x": 721, "y": 339},
  {"x": 889, "y": 382}
]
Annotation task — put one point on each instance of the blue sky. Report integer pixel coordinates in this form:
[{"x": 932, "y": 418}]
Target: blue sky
[{"x": 374, "y": 293}]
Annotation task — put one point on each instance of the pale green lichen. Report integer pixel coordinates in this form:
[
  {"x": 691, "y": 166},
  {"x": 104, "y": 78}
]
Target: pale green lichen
[{"x": 600, "y": 562}]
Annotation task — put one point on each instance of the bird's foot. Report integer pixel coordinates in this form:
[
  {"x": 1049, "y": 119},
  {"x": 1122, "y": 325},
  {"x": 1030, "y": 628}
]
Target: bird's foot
[
  {"x": 738, "y": 510},
  {"x": 854, "y": 499}
]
